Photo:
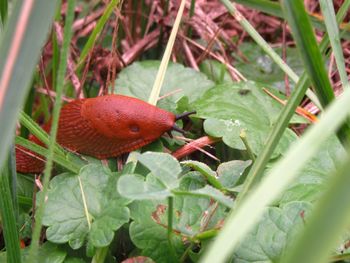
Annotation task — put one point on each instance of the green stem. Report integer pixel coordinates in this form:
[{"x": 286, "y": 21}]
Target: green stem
[
  {"x": 193, "y": 4},
  {"x": 100, "y": 255},
  {"x": 170, "y": 227},
  {"x": 243, "y": 136}
]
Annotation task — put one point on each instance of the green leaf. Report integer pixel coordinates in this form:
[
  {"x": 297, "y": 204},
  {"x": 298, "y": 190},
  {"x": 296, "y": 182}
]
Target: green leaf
[
  {"x": 230, "y": 172},
  {"x": 137, "y": 81},
  {"x": 48, "y": 253},
  {"x": 273, "y": 234},
  {"x": 261, "y": 68},
  {"x": 196, "y": 214},
  {"x": 328, "y": 221},
  {"x": 310, "y": 184},
  {"x": 135, "y": 187},
  {"x": 64, "y": 212},
  {"x": 214, "y": 193},
  {"x": 192, "y": 216},
  {"x": 232, "y": 108},
  {"x": 216, "y": 71},
  {"x": 247, "y": 214},
  {"x": 163, "y": 166},
  {"x": 149, "y": 236},
  {"x": 205, "y": 170},
  {"x": 51, "y": 253}
]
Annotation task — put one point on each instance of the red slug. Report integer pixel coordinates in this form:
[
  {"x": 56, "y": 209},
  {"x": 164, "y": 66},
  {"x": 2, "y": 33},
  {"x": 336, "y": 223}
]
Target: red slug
[{"x": 103, "y": 127}]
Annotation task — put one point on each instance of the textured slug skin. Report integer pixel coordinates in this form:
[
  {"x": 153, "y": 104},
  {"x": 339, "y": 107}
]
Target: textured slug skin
[{"x": 102, "y": 127}]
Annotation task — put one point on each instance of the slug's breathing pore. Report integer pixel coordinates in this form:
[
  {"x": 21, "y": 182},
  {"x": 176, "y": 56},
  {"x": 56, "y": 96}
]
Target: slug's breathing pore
[{"x": 103, "y": 127}]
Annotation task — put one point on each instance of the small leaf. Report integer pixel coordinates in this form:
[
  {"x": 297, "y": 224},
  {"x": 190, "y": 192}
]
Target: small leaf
[
  {"x": 163, "y": 166},
  {"x": 65, "y": 215},
  {"x": 214, "y": 193},
  {"x": 230, "y": 172},
  {"x": 205, "y": 170},
  {"x": 135, "y": 187}
]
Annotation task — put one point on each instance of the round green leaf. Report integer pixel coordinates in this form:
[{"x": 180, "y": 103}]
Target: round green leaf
[
  {"x": 64, "y": 211},
  {"x": 231, "y": 108},
  {"x": 137, "y": 80}
]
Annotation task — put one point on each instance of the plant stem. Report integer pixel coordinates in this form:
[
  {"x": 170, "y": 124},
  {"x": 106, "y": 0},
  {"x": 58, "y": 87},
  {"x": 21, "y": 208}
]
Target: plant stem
[
  {"x": 243, "y": 136},
  {"x": 170, "y": 227},
  {"x": 100, "y": 255}
]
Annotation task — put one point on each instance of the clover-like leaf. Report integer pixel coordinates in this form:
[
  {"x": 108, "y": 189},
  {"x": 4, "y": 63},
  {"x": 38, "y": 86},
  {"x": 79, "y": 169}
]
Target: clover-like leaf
[
  {"x": 65, "y": 211},
  {"x": 232, "y": 108}
]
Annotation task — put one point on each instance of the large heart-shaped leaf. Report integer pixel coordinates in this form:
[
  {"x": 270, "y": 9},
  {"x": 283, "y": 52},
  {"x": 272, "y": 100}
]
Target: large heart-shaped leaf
[
  {"x": 232, "y": 108},
  {"x": 192, "y": 215},
  {"x": 137, "y": 80},
  {"x": 65, "y": 212}
]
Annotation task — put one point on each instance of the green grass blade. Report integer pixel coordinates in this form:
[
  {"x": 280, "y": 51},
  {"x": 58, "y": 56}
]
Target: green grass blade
[
  {"x": 3, "y": 11},
  {"x": 256, "y": 172},
  {"x": 37, "y": 131},
  {"x": 11, "y": 165},
  {"x": 333, "y": 32},
  {"x": 327, "y": 222},
  {"x": 274, "y": 9},
  {"x": 97, "y": 30},
  {"x": 306, "y": 42},
  {"x": 266, "y": 6},
  {"x": 54, "y": 124},
  {"x": 311, "y": 56},
  {"x": 8, "y": 218},
  {"x": 249, "y": 212},
  {"x": 265, "y": 46},
  {"x": 25, "y": 33},
  {"x": 58, "y": 158}
]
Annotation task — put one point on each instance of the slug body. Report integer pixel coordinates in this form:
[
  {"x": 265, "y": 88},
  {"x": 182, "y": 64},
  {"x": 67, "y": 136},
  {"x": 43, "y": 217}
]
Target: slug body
[{"x": 102, "y": 127}]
